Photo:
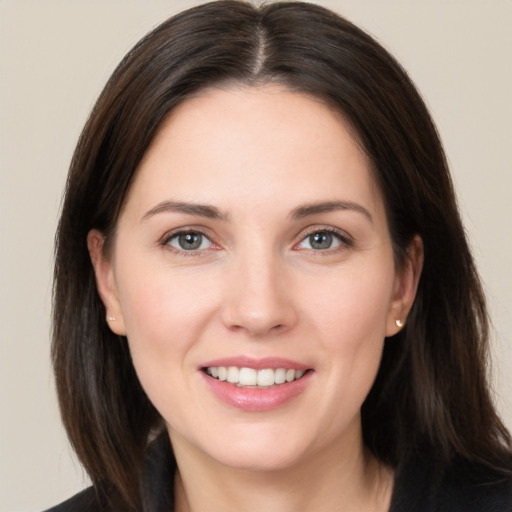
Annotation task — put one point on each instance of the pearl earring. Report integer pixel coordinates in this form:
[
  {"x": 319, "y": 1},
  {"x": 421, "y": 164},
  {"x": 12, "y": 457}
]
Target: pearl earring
[
  {"x": 399, "y": 323},
  {"x": 110, "y": 319}
]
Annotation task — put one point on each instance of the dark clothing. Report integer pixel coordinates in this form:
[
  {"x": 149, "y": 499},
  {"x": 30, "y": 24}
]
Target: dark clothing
[
  {"x": 463, "y": 487},
  {"x": 419, "y": 487}
]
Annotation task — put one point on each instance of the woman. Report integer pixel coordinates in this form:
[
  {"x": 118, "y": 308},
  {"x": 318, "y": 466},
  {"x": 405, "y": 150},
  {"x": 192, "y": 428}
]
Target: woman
[{"x": 263, "y": 292}]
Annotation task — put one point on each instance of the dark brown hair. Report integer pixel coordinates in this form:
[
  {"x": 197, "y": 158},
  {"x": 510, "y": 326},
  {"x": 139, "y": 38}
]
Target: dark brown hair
[{"x": 431, "y": 397}]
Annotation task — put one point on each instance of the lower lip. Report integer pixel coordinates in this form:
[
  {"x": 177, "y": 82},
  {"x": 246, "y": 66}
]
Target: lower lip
[{"x": 255, "y": 400}]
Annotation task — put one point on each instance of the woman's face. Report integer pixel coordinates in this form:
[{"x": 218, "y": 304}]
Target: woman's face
[{"x": 253, "y": 248}]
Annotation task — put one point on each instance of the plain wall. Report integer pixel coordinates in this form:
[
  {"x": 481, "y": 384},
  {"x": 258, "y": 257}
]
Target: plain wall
[{"x": 55, "y": 56}]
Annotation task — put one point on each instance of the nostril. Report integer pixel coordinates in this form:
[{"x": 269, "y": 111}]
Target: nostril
[
  {"x": 258, "y": 313},
  {"x": 257, "y": 330}
]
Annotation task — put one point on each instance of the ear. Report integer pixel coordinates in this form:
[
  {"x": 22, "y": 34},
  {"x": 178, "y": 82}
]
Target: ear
[
  {"x": 105, "y": 282},
  {"x": 405, "y": 287}
]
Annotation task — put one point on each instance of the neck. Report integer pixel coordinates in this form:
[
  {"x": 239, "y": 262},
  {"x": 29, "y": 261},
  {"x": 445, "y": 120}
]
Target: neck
[{"x": 348, "y": 479}]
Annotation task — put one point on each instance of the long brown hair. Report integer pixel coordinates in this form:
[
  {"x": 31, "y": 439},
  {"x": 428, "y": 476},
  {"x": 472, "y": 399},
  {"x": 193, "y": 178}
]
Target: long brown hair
[{"x": 431, "y": 397}]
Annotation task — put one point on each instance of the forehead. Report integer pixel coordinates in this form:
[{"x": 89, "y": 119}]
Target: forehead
[{"x": 253, "y": 145}]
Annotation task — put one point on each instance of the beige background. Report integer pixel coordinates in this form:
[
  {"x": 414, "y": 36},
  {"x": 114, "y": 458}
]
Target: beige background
[{"x": 55, "y": 55}]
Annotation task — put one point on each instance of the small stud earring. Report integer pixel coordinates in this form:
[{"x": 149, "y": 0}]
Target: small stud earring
[
  {"x": 110, "y": 319},
  {"x": 399, "y": 323}
]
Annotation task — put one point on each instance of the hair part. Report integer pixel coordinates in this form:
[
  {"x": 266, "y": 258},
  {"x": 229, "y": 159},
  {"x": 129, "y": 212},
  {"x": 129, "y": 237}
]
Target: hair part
[{"x": 431, "y": 397}]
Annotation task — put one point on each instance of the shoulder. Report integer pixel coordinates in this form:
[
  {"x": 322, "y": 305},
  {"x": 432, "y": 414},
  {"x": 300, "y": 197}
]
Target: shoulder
[
  {"x": 475, "y": 488},
  {"x": 462, "y": 486},
  {"x": 156, "y": 493},
  {"x": 84, "y": 501}
]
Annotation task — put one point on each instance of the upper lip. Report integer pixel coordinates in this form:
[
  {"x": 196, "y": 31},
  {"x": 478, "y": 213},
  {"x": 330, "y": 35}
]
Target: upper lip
[{"x": 256, "y": 363}]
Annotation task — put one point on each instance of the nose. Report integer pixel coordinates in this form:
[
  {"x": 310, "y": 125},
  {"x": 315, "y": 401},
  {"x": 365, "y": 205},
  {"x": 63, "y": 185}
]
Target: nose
[{"x": 258, "y": 298}]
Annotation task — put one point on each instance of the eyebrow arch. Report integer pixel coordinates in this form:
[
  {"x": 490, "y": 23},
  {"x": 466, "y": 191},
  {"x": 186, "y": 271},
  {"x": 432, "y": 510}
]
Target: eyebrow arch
[
  {"x": 328, "y": 206},
  {"x": 195, "y": 209}
]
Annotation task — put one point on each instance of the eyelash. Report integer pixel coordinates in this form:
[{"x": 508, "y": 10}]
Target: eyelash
[
  {"x": 344, "y": 240},
  {"x": 184, "y": 231}
]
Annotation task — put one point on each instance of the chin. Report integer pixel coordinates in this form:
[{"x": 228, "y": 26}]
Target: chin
[
  {"x": 248, "y": 447},
  {"x": 259, "y": 460}
]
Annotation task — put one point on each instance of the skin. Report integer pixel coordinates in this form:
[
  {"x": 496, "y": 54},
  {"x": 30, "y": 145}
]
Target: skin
[{"x": 258, "y": 287}]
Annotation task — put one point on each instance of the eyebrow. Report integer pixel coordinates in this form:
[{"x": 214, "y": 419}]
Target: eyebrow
[
  {"x": 328, "y": 206},
  {"x": 212, "y": 212},
  {"x": 195, "y": 209}
]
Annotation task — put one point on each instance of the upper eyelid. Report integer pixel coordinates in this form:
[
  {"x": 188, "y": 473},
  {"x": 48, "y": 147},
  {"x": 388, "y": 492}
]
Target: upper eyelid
[
  {"x": 345, "y": 241},
  {"x": 186, "y": 229},
  {"x": 300, "y": 237},
  {"x": 164, "y": 242},
  {"x": 342, "y": 234}
]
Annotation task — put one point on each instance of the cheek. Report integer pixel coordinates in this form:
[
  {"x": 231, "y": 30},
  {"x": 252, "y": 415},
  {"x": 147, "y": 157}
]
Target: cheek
[
  {"x": 353, "y": 309},
  {"x": 157, "y": 305},
  {"x": 164, "y": 318},
  {"x": 351, "y": 326}
]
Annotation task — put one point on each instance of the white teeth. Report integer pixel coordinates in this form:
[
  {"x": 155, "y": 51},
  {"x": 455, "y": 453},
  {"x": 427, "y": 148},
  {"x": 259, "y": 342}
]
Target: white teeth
[
  {"x": 232, "y": 375},
  {"x": 266, "y": 377},
  {"x": 280, "y": 376},
  {"x": 247, "y": 377},
  {"x": 290, "y": 375},
  {"x": 254, "y": 378}
]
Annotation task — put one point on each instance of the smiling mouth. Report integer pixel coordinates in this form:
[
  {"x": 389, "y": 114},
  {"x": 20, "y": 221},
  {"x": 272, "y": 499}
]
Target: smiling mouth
[{"x": 254, "y": 379}]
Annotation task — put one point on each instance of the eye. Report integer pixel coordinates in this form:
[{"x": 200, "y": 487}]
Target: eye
[
  {"x": 322, "y": 240},
  {"x": 189, "y": 241}
]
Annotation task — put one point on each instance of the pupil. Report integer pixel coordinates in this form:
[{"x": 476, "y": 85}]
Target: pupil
[
  {"x": 320, "y": 240},
  {"x": 190, "y": 241}
]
